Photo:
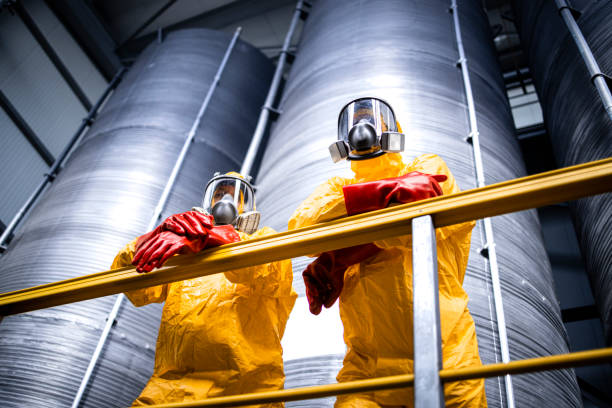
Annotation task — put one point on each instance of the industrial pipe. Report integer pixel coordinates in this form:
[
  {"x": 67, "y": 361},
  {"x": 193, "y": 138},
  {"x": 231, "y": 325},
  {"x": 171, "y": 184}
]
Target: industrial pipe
[{"x": 262, "y": 122}]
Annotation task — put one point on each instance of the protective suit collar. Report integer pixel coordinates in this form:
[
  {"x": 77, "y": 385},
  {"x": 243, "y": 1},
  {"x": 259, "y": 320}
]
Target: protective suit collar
[{"x": 385, "y": 166}]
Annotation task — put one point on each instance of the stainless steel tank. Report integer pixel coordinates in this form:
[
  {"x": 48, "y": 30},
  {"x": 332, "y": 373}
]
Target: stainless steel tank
[
  {"x": 579, "y": 128},
  {"x": 104, "y": 198},
  {"x": 405, "y": 52}
]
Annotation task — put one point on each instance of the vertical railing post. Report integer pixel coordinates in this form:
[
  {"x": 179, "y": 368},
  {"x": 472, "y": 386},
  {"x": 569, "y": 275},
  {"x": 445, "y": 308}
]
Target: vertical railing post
[{"x": 428, "y": 389}]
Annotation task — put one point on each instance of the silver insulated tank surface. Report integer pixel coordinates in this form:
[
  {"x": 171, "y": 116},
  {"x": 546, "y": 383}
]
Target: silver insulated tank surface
[
  {"x": 104, "y": 198},
  {"x": 579, "y": 128},
  {"x": 405, "y": 52}
]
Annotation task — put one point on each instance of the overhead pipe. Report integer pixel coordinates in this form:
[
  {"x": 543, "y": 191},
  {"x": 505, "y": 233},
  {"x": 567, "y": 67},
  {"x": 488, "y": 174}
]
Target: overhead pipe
[
  {"x": 57, "y": 165},
  {"x": 110, "y": 320},
  {"x": 264, "y": 116},
  {"x": 489, "y": 240}
]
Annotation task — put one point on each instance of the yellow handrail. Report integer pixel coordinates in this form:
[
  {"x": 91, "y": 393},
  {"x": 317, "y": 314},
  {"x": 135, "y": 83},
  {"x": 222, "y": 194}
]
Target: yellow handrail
[
  {"x": 514, "y": 195},
  {"x": 402, "y": 381}
]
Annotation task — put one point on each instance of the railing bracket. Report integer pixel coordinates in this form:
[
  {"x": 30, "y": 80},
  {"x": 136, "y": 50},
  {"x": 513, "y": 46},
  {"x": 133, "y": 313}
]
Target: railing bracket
[
  {"x": 290, "y": 56},
  {"x": 575, "y": 13},
  {"x": 484, "y": 252},
  {"x": 275, "y": 113}
]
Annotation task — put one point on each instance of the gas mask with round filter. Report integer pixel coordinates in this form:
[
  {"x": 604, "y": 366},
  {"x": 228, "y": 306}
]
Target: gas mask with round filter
[
  {"x": 230, "y": 199},
  {"x": 367, "y": 128}
]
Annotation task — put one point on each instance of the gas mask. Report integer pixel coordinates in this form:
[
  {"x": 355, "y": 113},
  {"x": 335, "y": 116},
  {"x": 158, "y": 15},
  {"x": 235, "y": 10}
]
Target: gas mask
[
  {"x": 230, "y": 199},
  {"x": 366, "y": 128}
]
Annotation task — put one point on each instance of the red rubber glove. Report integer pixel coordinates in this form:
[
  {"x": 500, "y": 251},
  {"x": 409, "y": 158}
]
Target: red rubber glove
[
  {"x": 155, "y": 251},
  {"x": 374, "y": 195},
  {"x": 324, "y": 277},
  {"x": 192, "y": 224}
]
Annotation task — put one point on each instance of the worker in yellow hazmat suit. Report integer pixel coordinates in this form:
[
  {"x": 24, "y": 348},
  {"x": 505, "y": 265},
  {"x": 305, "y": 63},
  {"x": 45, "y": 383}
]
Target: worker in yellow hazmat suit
[
  {"x": 219, "y": 334},
  {"x": 375, "y": 283}
]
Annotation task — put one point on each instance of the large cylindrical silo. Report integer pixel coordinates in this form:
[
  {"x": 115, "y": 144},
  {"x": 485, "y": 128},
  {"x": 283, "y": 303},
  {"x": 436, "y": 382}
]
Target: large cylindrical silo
[
  {"x": 406, "y": 53},
  {"x": 578, "y": 125},
  {"x": 104, "y": 197}
]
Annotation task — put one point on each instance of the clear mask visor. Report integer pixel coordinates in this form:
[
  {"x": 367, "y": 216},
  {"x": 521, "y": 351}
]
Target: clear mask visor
[
  {"x": 366, "y": 110},
  {"x": 229, "y": 188}
]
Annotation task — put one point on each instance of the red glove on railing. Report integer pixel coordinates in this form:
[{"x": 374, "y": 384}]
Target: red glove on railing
[
  {"x": 374, "y": 195},
  {"x": 192, "y": 224},
  {"x": 155, "y": 251},
  {"x": 324, "y": 277}
]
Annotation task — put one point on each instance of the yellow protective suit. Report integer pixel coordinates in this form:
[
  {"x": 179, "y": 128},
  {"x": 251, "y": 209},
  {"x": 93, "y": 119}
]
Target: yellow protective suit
[
  {"x": 376, "y": 302},
  {"x": 219, "y": 334}
]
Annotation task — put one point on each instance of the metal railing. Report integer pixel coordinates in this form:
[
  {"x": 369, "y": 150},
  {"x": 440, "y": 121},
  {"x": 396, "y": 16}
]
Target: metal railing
[
  {"x": 569, "y": 183},
  {"x": 402, "y": 381},
  {"x": 418, "y": 218}
]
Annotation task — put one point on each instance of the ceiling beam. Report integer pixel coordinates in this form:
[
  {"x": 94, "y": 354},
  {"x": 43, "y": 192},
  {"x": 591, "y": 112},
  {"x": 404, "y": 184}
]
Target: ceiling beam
[
  {"x": 89, "y": 32},
  {"x": 148, "y": 21},
  {"x": 26, "y": 130},
  {"x": 215, "y": 19}
]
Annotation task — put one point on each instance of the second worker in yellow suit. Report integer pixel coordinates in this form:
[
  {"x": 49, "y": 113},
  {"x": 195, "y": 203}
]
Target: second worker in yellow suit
[
  {"x": 219, "y": 334},
  {"x": 376, "y": 294}
]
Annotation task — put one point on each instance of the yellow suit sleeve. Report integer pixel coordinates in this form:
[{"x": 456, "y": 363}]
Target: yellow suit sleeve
[
  {"x": 326, "y": 203},
  {"x": 455, "y": 238},
  {"x": 139, "y": 297},
  {"x": 271, "y": 279}
]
